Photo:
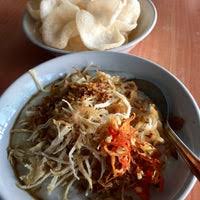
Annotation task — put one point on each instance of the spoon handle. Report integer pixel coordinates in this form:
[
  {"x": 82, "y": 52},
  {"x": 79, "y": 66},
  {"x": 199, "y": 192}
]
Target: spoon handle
[{"x": 191, "y": 159}]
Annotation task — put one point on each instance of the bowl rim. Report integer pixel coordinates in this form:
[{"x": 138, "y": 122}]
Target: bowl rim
[
  {"x": 191, "y": 180},
  {"x": 123, "y": 47}
]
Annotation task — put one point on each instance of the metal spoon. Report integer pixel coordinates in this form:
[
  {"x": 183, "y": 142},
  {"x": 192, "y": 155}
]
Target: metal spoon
[{"x": 154, "y": 93}]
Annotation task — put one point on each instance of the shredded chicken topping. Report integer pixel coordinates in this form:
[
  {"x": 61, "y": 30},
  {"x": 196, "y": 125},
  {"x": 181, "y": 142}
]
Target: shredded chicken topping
[{"x": 93, "y": 128}]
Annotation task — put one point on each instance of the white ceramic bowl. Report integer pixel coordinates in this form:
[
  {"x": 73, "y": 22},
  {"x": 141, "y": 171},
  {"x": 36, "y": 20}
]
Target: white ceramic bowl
[
  {"x": 178, "y": 179},
  {"x": 146, "y": 23}
]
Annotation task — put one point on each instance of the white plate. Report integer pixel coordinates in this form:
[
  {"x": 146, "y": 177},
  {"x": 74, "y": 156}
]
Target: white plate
[
  {"x": 146, "y": 23},
  {"x": 178, "y": 179}
]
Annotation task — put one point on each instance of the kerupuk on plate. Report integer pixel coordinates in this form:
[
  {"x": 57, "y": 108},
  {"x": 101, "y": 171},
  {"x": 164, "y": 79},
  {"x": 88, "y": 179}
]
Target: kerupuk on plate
[{"x": 84, "y": 24}]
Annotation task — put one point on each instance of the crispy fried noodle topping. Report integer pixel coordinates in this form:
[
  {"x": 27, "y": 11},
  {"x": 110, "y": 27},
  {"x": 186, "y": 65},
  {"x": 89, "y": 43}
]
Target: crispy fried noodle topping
[{"x": 92, "y": 131}]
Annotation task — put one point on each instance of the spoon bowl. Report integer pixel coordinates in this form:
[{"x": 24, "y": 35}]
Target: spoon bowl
[{"x": 155, "y": 93}]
